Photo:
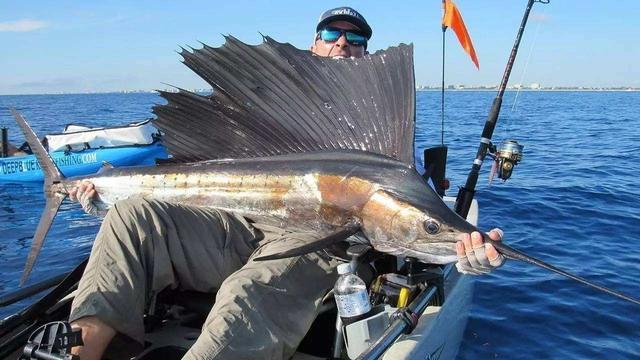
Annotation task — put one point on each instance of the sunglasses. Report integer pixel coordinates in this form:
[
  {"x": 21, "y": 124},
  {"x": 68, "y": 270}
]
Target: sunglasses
[{"x": 330, "y": 35}]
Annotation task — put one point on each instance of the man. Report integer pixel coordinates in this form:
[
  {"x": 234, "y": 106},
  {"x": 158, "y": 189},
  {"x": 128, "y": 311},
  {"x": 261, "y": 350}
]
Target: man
[
  {"x": 341, "y": 33},
  {"x": 262, "y": 309}
]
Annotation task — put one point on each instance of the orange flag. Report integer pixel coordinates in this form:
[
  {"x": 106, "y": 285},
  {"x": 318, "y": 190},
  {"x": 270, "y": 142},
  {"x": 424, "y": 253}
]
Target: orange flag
[{"x": 453, "y": 19}]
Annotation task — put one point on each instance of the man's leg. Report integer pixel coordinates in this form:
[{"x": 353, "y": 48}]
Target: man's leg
[
  {"x": 96, "y": 335},
  {"x": 145, "y": 246},
  {"x": 264, "y": 309}
]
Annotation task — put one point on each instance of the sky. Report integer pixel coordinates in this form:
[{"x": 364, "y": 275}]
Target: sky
[{"x": 85, "y": 46}]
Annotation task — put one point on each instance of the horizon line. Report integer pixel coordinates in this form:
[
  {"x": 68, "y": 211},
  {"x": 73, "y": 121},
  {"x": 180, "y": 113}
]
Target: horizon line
[{"x": 418, "y": 88}]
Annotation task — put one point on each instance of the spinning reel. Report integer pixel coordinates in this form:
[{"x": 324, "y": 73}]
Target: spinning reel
[{"x": 505, "y": 159}]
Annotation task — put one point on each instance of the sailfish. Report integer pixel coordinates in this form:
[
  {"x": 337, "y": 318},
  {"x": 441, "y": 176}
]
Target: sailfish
[{"x": 288, "y": 139}]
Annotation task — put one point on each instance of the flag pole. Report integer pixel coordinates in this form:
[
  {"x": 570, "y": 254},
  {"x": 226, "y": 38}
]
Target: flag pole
[{"x": 444, "y": 29}]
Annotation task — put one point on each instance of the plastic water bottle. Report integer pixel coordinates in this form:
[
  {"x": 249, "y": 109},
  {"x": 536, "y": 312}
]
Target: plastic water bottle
[{"x": 351, "y": 295}]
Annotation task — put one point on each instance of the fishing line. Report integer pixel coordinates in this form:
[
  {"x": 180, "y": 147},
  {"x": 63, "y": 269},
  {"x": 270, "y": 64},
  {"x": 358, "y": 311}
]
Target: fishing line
[{"x": 524, "y": 71}]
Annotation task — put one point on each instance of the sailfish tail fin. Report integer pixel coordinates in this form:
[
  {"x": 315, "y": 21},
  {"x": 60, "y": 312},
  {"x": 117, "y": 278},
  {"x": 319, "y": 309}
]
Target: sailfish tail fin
[{"x": 52, "y": 176}]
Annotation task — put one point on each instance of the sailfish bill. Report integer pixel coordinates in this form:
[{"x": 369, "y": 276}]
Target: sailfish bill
[
  {"x": 300, "y": 142},
  {"x": 514, "y": 254}
]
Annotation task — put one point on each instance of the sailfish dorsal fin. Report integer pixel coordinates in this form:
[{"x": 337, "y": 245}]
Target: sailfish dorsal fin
[{"x": 274, "y": 99}]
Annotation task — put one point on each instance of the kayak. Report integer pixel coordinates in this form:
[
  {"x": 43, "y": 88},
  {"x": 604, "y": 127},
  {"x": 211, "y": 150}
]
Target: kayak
[
  {"x": 83, "y": 162},
  {"x": 177, "y": 317},
  {"x": 82, "y": 150}
]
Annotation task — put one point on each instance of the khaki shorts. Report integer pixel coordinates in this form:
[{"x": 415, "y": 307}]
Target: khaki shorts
[{"x": 262, "y": 309}]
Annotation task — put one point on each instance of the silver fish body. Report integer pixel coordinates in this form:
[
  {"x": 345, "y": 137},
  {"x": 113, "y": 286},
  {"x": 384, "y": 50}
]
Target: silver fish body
[{"x": 310, "y": 192}]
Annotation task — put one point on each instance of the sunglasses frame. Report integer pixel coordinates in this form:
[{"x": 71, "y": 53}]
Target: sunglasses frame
[{"x": 343, "y": 32}]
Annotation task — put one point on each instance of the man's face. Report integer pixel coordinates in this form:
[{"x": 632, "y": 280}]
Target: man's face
[{"x": 340, "y": 47}]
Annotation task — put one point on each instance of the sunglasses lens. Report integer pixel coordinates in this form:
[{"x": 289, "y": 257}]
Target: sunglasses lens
[
  {"x": 329, "y": 35},
  {"x": 356, "y": 39}
]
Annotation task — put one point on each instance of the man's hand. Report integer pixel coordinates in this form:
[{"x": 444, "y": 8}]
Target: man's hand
[
  {"x": 88, "y": 197},
  {"x": 475, "y": 257}
]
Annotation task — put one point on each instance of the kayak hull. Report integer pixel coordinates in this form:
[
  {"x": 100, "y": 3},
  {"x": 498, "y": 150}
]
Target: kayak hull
[{"x": 78, "y": 163}]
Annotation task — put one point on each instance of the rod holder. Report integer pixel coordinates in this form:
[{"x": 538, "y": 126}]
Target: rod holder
[{"x": 5, "y": 143}]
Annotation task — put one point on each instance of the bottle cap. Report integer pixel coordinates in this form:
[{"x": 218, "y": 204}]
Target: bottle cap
[{"x": 344, "y": 268}]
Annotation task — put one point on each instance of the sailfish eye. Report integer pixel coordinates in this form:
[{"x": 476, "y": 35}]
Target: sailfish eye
[{"x": 431, "y": 226}]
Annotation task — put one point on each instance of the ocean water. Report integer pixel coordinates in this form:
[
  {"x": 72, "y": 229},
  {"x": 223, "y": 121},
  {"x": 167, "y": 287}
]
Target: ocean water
[{"x": 574, "y": 201}]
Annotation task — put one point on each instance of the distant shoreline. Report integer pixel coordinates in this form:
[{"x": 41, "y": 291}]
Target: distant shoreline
[
  {"x": 209, "y": 91},
  {"x": 197, "y": 91},
  {"x": 540, "y": 90}
]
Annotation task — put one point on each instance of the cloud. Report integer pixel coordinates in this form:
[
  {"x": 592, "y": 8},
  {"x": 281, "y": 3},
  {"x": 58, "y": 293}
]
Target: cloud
[{"x": 24, "y": 25}]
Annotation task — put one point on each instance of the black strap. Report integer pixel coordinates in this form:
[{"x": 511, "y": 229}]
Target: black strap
[{"x": 408, "y": 317}]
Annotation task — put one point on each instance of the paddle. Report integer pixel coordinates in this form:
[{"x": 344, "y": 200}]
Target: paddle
[
  {"x": 31, "y": 290},
  {"x": 41, "y": 306}
]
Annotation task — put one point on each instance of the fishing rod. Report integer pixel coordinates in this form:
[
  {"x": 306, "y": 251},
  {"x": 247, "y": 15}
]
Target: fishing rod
[
  {"x": 510, "y": 152},
  {"x": 506, "y": 158}
]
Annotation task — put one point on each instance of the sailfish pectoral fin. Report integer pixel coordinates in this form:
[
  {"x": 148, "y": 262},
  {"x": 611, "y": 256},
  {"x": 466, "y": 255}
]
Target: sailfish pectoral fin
[
  {"x": 337, "y": 236},
  {"x": 53, "y": 204}
]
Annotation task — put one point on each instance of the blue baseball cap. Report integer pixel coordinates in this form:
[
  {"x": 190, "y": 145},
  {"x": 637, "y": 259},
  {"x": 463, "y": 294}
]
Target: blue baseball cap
[{"x": 347, "y": 14}]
